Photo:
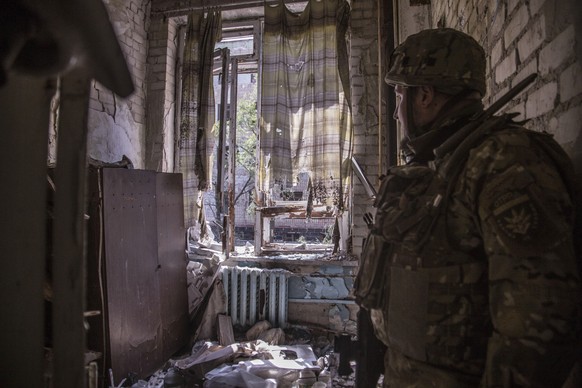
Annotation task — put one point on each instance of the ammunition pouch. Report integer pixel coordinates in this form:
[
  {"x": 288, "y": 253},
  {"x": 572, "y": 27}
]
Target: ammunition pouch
[{"x": 400, "y": 208}]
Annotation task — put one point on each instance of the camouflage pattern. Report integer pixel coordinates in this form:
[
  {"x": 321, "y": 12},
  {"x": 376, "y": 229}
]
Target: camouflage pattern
[
  {"x": 481, "y": 287},
  {"x": 430, "y": 57}
]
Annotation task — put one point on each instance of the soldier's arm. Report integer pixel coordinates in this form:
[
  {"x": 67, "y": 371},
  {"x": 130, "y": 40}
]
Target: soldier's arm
[{"x": 525, "y": 216}]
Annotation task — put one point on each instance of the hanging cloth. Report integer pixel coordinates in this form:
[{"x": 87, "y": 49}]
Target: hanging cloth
[
  {"x": 197, "y": 117},
  {"x": 305, "y": 121}
]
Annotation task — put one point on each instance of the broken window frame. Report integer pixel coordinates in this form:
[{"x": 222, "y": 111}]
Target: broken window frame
[{"x": 266, "y": 210}]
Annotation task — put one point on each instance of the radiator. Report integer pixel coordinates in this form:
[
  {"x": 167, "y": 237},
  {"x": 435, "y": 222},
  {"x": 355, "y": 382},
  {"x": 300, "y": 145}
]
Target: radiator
[{"x": 254, "y": 294}]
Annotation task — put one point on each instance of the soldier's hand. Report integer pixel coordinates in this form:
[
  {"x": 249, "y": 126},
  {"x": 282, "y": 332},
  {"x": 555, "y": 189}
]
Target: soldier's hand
[{"x": 369, "y": 220}]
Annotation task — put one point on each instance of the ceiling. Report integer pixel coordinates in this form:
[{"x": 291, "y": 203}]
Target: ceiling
[{"x": 231, "y": 9}]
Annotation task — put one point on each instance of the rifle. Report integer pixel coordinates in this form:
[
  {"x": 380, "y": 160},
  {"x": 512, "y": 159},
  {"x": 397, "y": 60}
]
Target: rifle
[
  {"x": 363, "y": 179},
  {"x": 468, "y": 132}
]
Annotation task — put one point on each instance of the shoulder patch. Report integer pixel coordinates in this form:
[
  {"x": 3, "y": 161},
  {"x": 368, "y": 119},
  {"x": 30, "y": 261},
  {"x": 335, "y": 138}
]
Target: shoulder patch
[
  {"x": 518, "y": 212},
  {"x": 515, "y": 215}
]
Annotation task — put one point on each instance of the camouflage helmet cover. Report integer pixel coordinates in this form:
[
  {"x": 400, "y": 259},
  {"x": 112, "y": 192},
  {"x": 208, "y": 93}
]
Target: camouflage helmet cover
[{"x": 445, "y": 58}]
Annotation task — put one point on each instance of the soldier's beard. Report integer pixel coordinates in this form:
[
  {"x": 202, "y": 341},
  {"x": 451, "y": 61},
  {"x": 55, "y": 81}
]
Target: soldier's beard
[{"x": 412, "y": 129}]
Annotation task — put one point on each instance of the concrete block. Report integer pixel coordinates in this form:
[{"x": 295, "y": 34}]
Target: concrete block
[
  {"x": 506, "y": 68},
  {"x": 530, "y": 68},
  {"x": 532, "y": 39},
  {"x": 158, "y": 52},
  {"x": 552, "y": 126},
  {"x": 139, "y": 67},
  {"x": 519, "y": 108},
  {"x": 359, "y": 24},
  {"x": 139, "y": 38},
  {"x": 160, "y": 85},
  {"x": 158, "y": 31},
  {"x": 370, "y": 15},
  {"x": 138, "y": 109},
  {"x": 133, "y": 7},
  {"x": 535, "y": 5},
  {"x": 473, "y": 23},
  {"x": 142, "y": 49},
  {"x": 500, "y": 93},
  {"x": 159, "y": 68},
  {"x": 516, "y": 25},
  {"x": 558, "y": 50},
  {"x": 571, "y": 82},
  {"x": 497, "y": 18},
  {"x": 542, "y": 100},
  {"x": 511, "y": 4},
  {"x": 496, "y": 52},
  {"x": 567, "y": 127}
]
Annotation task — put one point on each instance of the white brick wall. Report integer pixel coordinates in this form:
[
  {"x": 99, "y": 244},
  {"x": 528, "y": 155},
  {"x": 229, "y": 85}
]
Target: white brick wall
[
  {"x": 531, "y": 36},
  {"x": 535, "y": 5},
  {"x": 529, "y": 68},
  {"x": 561, "y": 127},
  {"x": 515, "y": 25},
  {"x": 571, "y": 82},
  {"x": 497, "y": 18},
  {"x": 364, "y": 83},
  {"x": 542, "y": 100},
  {"x": 532, "y": 39},
  {"x": 497, "y": 52},
  {"x": 161, "y": 100},
  {"x": 506, "y": 68},
  {"x": 557, "y": 51}
]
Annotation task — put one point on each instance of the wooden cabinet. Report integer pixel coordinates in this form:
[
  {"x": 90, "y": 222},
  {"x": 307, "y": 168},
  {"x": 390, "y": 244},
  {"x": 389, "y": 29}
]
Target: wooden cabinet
[{"x": 136, "y": 269}]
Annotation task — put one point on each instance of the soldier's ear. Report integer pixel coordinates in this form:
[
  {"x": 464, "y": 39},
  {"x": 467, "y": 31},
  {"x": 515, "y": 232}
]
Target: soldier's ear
[{"x": 425, "y": 95}]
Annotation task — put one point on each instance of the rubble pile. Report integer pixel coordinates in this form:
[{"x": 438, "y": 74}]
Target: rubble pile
[{"x": 299, "y": 357}]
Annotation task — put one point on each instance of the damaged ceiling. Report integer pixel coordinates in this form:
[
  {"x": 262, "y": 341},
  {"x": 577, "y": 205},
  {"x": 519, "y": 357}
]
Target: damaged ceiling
[{"x": 232, "y": 9}]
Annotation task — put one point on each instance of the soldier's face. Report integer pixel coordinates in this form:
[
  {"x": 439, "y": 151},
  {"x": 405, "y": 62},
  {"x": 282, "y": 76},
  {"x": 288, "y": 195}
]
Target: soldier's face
[{"x": 401, "y": 111}]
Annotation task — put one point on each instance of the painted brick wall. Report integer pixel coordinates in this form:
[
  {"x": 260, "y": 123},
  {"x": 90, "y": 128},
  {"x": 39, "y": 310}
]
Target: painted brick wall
[
  {"x": 519, "y": 36},
  {"x": 365, "y": 110},
  {"x": 369, "y": 148},
  {"x": 116, "y": 125},
  {"x": 523, "y": 37},
  {"x": 161, "y": 61}
]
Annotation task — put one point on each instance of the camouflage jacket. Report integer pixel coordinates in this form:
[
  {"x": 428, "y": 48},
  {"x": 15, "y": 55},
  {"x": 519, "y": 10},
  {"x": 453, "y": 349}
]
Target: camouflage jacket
[{"x": 472, "y": 280}]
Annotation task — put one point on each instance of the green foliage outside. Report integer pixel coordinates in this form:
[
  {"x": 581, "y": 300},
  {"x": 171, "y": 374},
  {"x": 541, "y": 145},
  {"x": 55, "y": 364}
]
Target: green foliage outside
[{"x": 246, "y": 126}]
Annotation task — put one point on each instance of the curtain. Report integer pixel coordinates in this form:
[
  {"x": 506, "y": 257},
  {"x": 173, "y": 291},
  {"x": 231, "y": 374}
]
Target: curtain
[
  {"x": 197, "y": 116},
  {"x": 305, "y": 124}
]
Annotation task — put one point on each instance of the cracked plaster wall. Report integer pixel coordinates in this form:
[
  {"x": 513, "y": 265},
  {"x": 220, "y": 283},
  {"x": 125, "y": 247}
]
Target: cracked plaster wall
[{"x": 116, "y": 125}]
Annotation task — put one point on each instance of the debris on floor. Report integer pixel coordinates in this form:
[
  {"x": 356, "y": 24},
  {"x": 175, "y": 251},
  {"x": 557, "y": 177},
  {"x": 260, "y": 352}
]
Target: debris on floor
[{"x": 294, "y": 357}]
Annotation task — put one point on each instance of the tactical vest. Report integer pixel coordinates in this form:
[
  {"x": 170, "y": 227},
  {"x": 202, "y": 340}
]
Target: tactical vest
[{"x": 429, "y": 299}]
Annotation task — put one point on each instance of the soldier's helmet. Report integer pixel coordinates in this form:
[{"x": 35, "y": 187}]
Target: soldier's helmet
[{"x": 447, "y": 59}]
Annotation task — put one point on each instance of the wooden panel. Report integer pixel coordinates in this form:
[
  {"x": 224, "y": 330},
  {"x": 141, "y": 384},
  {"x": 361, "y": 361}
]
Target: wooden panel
[
  {"x": 171, "y": 254},
  {"x": 131, "y": 268},
  {"x": 69, "y": 232},
  {"x": 24, "y": 103},
  {"x": 95, "y": 257}
]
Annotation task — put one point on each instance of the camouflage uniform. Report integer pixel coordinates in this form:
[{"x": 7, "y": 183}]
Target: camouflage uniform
[{"x": 469, "y": 271}]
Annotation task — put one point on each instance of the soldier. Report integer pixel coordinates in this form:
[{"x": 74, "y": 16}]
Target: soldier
[{"x": 469, "y": 271}]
